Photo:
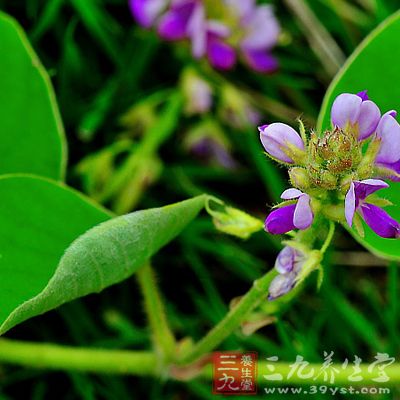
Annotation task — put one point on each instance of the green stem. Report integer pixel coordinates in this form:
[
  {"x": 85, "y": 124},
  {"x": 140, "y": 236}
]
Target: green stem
[
  {"x": 141, "y": 363},
  {"x": 163, "y": 339},
  {"x": 329, "y": 238},
  {"x": 118, "y": 188},
  {"x": 44, "y": 355},
  {"x": 323, "y": 44},
  {"x": 231, "y": 321}
]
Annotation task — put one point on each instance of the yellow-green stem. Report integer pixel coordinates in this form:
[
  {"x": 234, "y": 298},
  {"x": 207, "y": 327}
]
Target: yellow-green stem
[
  {"x": 163, "y": 339},
  {"x": 141, "y": 363},
  {"x": 231, "y": 321}
]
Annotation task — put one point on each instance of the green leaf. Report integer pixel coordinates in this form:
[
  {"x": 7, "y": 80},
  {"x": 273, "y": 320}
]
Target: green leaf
[
  {"x": 374, "y": 66},
  {"x": 47, "y": 259},
  {"x": 32, "y": 137}
]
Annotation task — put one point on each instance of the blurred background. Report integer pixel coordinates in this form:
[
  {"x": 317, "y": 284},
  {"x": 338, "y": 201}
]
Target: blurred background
[{"x": 148, "y": 125}]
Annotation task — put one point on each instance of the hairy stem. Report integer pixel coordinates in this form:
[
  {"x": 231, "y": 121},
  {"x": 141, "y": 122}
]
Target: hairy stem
[
  {"x": 141, "y": 363},
  {"x": 329, "y": 237},
  {"x": 163, "y": 339},
  {"x": 50, "y": 356},
  {"x": 231, "y": 321}
]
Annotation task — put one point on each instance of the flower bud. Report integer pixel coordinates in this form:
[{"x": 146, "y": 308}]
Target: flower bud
[
  {"x": 287, "y": 260},
  {"x": 207, "y": 141},
  {"x": 324, "y": 179},
  {"x": 299, "y": 178},
  {"x": 231, "y": 220},
  {"x": 197, "y": 93},
  {"x": 282, "y": 143},
  {"x": 289, "y": 264},
  {"x": 356, "y": 113}
]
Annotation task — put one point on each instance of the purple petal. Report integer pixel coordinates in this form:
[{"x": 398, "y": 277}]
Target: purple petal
[
  {"x": 368, "y": 119},
  {"x": 197, "y": 31},
  {"x": 286, "y": 260},
  {"x": 221, "y": 55},
  {"x": 303, "y": 215},
  {"x": 395, "y": 167},
  {"x": 350, "y": 205},
  {"x": 281, "y": 285},
  {"x": 363, "y": 95},
  {"x": 173, "y": 26},
  {"x": 291, "y": 193},
  {"x": 389, "y": 132},
  {"x": 280, "y": 221},
  {"x": 275, "y": 138},
  {"x": 260, "y": 60},
  {"x": 345, "y": 109},
  {"x": 146, "y": 11},
  {"x": 242, "y": 8},
  {"x": 380, "y": 221},
  {"x": 262, "y": 27},
  {"x": 218, "y": 29},
  {"x": 366, "y": 187}
]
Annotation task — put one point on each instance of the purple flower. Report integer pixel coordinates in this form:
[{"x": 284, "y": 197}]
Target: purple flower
[
  {"x": 277, "y": 138},
  {"x": 355, "y": 111},
  {"x": 389, "y": 153},
  {"x": 186, "y": 19},
  {"x": 288, "y": 263},
  {"x": 376, "y": 218},
  {"x": 174, "y": 24},
  {"x": 243, "y": 28},
  {"x": 287, "y": 218},
  {"x": 147, "y": 11},
  {"x": 210, "y": 149},
  {"x": 220, "y": 54},
  {"x": 261, "y": 34}
]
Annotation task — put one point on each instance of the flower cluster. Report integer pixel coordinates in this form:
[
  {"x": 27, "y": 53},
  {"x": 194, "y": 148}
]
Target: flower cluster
[
  {"x": 218, "y": 30},
  {"x": 335, "y": 175}
]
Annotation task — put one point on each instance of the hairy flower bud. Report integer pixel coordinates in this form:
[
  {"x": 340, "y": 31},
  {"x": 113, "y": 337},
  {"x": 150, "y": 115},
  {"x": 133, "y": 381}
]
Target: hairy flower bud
[
  {"x": 288, "y": 263},
  {"x": 282, "y": 143},
  {"x": 355, "y": 113},
  {"x": 299, "y": 178}
]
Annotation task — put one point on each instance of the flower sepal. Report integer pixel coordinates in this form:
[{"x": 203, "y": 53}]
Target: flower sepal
[
  {"x": 386, "y": 173},
  {"x": 298, "y": 156},
  {"x": 366, "y": 167}
]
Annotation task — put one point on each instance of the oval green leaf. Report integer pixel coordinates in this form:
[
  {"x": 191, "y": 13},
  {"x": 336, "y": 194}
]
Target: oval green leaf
[
  {"x": 32, "y": 137},
  {"x": 53, "y": 250},
  {"x": 374, "y": 66}
]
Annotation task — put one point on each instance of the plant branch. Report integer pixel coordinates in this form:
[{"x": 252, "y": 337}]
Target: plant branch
[
  {"x": 141, "y": 363},
  {"x": 231, "y": 321},
  {"x": 329, "y": 237},
  {"x": 163, "y": 339},
  {"x": 51, "y": 356}
]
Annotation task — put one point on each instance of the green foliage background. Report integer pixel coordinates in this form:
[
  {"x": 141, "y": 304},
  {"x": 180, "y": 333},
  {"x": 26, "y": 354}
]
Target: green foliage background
[{"x": 100, "y": 64}]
